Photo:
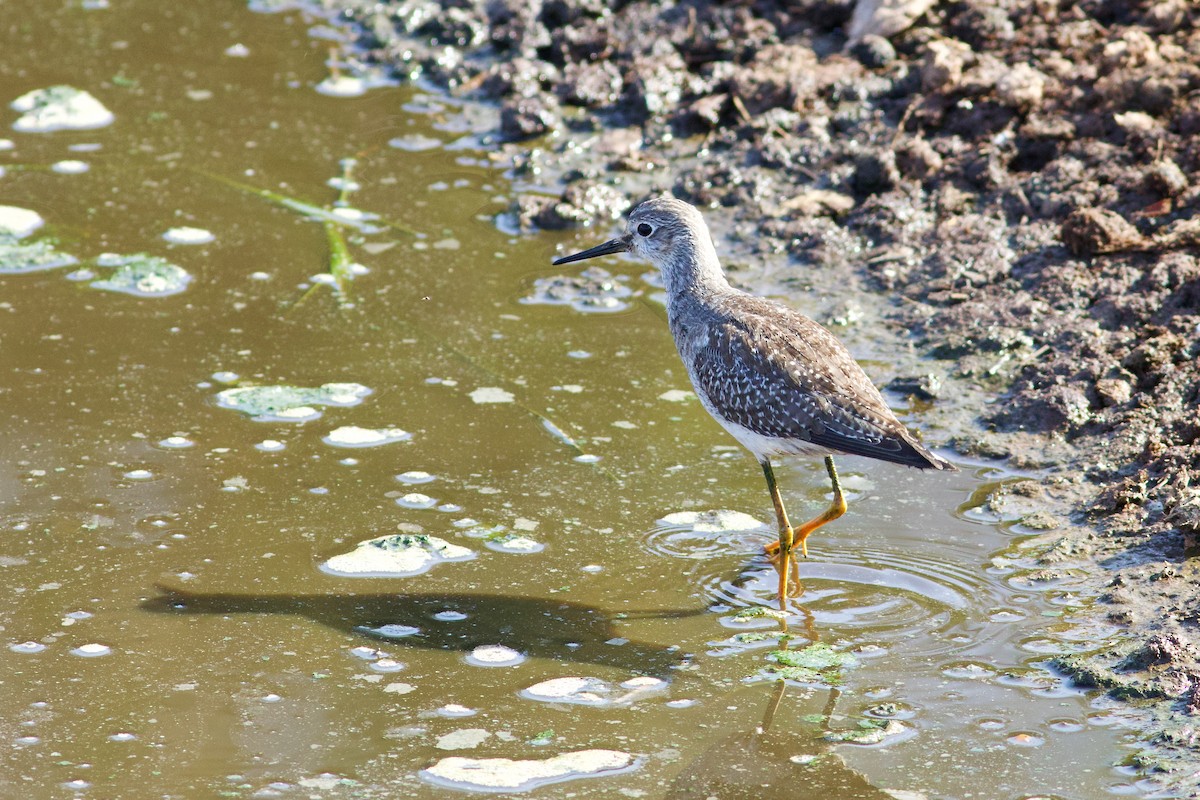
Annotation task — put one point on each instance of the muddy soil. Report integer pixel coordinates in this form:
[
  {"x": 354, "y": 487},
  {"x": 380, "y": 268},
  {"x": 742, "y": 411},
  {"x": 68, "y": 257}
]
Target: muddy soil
[{"x": 1019, "y": 179}]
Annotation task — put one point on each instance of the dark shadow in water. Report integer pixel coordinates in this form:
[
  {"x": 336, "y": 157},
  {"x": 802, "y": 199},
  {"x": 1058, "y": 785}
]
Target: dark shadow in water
[{"x": 539, "y": 628}]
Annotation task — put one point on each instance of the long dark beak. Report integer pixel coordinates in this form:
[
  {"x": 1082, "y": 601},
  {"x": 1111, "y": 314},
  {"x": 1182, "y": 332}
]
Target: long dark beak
[{"x": 620, "y": 245}]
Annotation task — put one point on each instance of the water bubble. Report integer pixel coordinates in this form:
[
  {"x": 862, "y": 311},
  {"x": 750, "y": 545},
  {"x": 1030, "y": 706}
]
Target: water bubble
[
  {"x": 92, "y": 650},
  {"x": 415, "y": 477},
  {"x": 494, "y": 655},
  {"x": 1026, "y": 739},
  {"x": 70, "y": 167},
  {"x": 139, "y": 474},
  {"x": 187, "y": 235},
  {"x": 454, "y": 710},
  {"x": 176, "y": 443},
  {"x": 390, "y": 631},
  {"x": 1066, "y": 725},
  {"x": 27, "y": 647},
  {"x": 270, "y": 446},
  {"x": 416, "y": 500},
  {"x": 449, "y": 616},
  {"x": 122, "y": 737},
  {"x": 514, "y": 543}
]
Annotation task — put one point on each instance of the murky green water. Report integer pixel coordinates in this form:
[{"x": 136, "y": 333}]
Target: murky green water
[{"x": 153, "y": 529}]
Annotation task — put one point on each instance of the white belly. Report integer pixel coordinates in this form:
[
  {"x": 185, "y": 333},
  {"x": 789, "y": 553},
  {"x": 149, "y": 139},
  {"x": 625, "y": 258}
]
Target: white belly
[{"x": 762, "y": 446}]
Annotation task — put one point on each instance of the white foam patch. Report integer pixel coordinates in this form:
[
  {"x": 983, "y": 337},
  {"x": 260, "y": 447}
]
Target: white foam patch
[
  {"x": 577, "y": 691},
  {"x": 396, "y": 556},
  {"x": 716, "y": 521},
  {"x": 492, "y": 394},
  {"x": 515, "y": 544},
  {"x": 454, "y": 710},
  {"x": 414, "y": 143},
  {"x": 187, "y": 235},
  {"x": 354, "y": 436},
  {"x": 59, "y": 108},
  {"x": 19, "y": 222},
  {"x": 465, "y": 739},
  {"x": 70, "y": 167},
  {"x": 504, "y": 774},
  {"x": 342, "y": 86}
]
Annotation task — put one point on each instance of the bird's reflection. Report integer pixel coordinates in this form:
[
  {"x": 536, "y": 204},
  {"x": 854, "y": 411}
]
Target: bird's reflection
[
  {"x": 777, "y": 759},
  {"x": 540, "y": 628}
]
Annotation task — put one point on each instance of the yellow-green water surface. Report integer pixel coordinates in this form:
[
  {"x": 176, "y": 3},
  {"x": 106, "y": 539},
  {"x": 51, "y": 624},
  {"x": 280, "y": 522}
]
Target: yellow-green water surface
[{"x": 167, "y": 629}]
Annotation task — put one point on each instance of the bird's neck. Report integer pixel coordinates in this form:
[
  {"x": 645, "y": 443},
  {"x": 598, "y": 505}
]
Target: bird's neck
[{"x": 695, "y": 272}]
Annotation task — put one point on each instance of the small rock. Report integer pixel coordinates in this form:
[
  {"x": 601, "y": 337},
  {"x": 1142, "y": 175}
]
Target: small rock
[
  {"x": 1165, "y": 177},
  {"x": 917, "y": 159},
  {"x": 922, "y": 387},
  {"x": 780, "y": 76},
  {"x": 1021, "y": 88},
  {"x": 875, "y": 172},
  {"x": 873, "y": 51},
  {"x": 942, "y": 68},
  {"x": 591, "y": 84},
  {"x": 526, "y": 117},
  {"x": 1113, "y": 392},
  {"x": 1166, "y": 17},
  {"x": 1041, "y": 521},
  {"x": 1092, "y": 231}
]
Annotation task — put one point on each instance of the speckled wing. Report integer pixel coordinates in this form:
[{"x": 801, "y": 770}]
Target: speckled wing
[{"x": 780, "y": 375}]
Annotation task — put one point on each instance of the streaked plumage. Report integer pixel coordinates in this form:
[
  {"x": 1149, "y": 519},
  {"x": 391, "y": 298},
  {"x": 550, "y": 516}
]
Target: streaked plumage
[{"x": 779, "y": 382}]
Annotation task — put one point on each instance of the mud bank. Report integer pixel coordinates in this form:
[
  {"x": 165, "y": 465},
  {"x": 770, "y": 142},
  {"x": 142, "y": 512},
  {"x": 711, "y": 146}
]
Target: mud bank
[{"x": 1020, "y": 179}]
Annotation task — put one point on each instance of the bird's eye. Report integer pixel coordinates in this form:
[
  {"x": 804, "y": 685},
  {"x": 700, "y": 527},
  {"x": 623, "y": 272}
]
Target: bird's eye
[{"x": 644, "y": 229}]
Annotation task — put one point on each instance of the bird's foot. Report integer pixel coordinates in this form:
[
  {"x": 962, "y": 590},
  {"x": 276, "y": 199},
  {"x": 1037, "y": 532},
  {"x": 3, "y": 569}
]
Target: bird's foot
[{"x": 790, "y": 585}]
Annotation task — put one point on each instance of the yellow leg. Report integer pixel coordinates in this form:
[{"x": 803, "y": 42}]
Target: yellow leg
[{"x": 781, "y": 552}]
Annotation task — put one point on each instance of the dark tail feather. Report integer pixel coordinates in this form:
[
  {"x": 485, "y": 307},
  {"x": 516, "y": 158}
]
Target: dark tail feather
[{"x": 905, "y": 451}]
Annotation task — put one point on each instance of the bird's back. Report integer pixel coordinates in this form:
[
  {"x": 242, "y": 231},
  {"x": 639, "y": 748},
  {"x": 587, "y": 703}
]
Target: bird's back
[{"x": 781, "y": 383}]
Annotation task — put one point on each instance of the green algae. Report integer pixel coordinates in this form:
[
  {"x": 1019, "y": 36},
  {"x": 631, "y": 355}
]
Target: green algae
[
  {"x": 19, "y": 257},
  {"x": 816, "y": 663},
  {"x": 141, "y": 275},
  {"x": 290, "y": 403}
]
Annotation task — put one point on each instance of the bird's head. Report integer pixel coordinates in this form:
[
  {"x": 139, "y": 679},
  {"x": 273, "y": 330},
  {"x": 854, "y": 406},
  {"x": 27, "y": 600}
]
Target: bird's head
[{"x": 661, "y": 231}]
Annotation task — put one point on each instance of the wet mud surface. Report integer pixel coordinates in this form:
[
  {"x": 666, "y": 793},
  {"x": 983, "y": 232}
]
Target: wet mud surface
[{"x": 1014, "y": 186}]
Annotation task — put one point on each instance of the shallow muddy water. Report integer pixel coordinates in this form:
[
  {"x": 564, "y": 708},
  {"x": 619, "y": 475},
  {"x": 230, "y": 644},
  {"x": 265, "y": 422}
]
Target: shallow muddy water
[{"x": 169, "y": 629}]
